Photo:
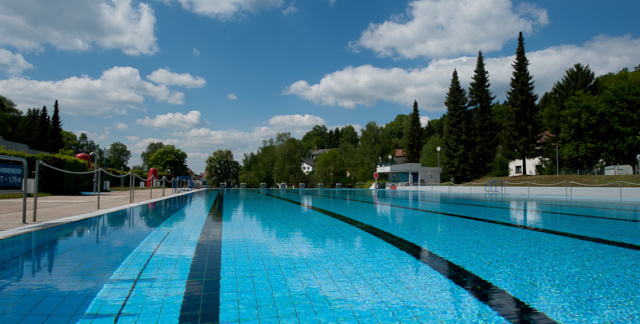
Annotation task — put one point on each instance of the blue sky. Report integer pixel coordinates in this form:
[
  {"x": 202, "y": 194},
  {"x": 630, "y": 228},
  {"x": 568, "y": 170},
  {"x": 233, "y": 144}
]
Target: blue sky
[{"x": 225, "y": 74}]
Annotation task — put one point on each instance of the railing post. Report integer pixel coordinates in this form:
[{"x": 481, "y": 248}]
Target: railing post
[
  {"x": 98, "y": 186},
  {"x": 133, "y": 188},
  {"x": 163, "y": 181},
  {"x": 25, "y": 179},
  {"x": 151, "y": 187},
  {"x": 620, "y": 182},
  {"x": 35, "y": 190}
]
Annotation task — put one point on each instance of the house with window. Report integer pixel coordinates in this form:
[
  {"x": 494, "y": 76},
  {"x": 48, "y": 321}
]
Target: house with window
[
  {"x": 516, "y": 166},
  {"x": 309, "y": 164}
]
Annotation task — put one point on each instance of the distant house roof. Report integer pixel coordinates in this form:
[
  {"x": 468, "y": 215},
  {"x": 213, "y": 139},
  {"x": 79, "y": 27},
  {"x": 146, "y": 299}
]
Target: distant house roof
[
  {"x": 399, "y": 153},
  {"x": 315, "y": 153},
  {"x": 310, "y": 162},
  {"x": 18, "y": 147}
]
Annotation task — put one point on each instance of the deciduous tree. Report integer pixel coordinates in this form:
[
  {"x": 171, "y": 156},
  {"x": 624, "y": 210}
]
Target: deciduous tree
[{"x": 221, "y": 167}]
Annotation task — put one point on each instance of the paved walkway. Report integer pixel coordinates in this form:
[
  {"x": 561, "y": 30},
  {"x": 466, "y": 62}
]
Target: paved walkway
[{"x": 56, "y": 207}]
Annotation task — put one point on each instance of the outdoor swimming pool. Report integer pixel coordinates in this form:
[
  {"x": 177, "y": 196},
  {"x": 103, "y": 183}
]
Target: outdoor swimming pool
[{"x": 348, "y": 256}]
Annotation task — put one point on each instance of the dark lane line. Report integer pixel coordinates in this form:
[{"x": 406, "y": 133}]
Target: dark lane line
[
  {"x": 530, "y": 228},
  {"x": 509, "y": 307},
  {"x": 201, "y": 301},
  {"x": 533, "y": 210}
]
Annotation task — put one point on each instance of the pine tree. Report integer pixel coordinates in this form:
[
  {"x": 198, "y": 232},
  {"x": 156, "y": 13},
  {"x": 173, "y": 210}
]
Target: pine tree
[
  {"x": 484, "y": 128},
  {"x": 55, "y": 131},
  {"x": 41, "y": 141},
  {"x": 456, "y": 132},
  {"x": 414, "y": 136},
  {"x": 524, "y": 127}
]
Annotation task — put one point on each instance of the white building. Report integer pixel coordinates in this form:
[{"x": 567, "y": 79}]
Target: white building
[{"x": 515, "y": 167}]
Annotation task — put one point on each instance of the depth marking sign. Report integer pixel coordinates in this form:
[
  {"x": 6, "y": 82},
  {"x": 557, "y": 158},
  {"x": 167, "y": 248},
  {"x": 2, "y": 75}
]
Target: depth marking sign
[{"x": 11, "y": 176}]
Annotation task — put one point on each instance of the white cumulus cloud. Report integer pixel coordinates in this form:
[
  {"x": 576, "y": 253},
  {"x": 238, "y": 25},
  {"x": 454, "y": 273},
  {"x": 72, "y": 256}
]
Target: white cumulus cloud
[
  {"x": 120, "y": 126},
  {"x": 78, "y": 25},
  {"x": 226, "y": 9},
  {"x": 440, "y": 29},
  {"x": 232, "y": 96},
  {"x": 165, "y": 76},
  {"x": 366, "y": 85},
  {"x": 13, "y": 64},
  {"x": 117, "y": 89},
  {"x": 175, "y": 121}
]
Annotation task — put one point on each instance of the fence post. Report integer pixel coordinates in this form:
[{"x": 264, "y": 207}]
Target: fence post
[
  {"x": 566, "y": 195},
  {"x": 571, "y": 188},
  {"x": 620, "y": 182},
  {"x": 98, "y": 186},
  {"x": 151, "y": 187},
  {"x": 163, "y": 180},
  {"x": 133, "y": 188},
  {"x": 35, "y": 190},
  {"x": 25, "y": 179}
]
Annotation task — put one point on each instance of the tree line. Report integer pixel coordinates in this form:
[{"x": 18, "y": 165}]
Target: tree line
[{"x": 586, "y": 121}]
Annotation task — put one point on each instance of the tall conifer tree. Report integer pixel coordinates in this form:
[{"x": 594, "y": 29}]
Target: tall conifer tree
[
  {"x": 523, "y": 128},
  {"x": 456, "y": 132},
  {"x": 415, "y": 140},
  {"x": 41, "y": 140},
  {"x": 56, "y": 142},
  {"x": 484, "y": 128}
]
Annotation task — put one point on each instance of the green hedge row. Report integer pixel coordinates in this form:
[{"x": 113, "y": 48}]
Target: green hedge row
[{"x": 53, "y": 181}]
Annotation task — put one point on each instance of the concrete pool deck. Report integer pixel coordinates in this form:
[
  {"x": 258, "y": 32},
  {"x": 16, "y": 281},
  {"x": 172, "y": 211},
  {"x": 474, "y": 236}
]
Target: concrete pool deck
[{"x": 52, "y": 210}]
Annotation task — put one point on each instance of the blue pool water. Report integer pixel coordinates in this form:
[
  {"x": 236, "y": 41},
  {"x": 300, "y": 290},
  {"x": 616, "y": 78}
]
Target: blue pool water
[{"x": 331, "y": 256}]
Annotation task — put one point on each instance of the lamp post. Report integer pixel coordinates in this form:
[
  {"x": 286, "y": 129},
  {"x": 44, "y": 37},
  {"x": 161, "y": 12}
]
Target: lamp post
[
  {"x": 95, "y": 166},
  {"x": 438, "y": 149},
  {"x": 557, "y": 162}
]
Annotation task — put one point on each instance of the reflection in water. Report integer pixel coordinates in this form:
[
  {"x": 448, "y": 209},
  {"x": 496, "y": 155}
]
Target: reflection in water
[{"x": 76, "y": 259}]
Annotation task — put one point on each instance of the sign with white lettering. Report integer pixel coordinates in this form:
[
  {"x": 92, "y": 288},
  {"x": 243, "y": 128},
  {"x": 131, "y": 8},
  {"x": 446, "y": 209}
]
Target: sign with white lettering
[{"x": 11, "y": 176}]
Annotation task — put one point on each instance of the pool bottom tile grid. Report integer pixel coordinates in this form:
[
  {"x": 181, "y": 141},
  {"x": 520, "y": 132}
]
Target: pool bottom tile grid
[{"x": 283, "y": 263}]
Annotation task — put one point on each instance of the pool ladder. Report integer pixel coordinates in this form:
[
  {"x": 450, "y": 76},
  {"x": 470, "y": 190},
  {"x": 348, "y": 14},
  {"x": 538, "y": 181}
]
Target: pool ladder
[{"x": 493, "y": 186}]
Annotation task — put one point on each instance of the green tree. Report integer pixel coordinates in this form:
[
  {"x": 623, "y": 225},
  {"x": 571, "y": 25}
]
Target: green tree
[
  {"x": 221, "y": 167},
  {"x": 288, "y": 155},
  {"x": 315, "y": 138},
  {"x": 119, "y": 156},
  {"x": 457, "y": 133},
  {"x": 330, "y": 169},
  {"x": 257, "y": 167},
  {"x": 10, "y": 118},
  {"x": 620, "y": 119},
  {"x": 524, "y": 127},
  {"x": 169, "y": 158},
  {"x": 85, "y": 145},
  {"x": 553, "y": 103},
  {"x": 70, "y": 141},
  {"x": 349, "y": 136},
  {"x": 484, "y": 128},
  {"x": 152, "y": 148},
  {"x": 414, "y": 136},
  {"x": 429, "y": 155},
  {"x": 41, "y": 140},
  {"x": 56, "y": 141},
  {"x": 373, "y": 146},
  {"x": 395, "y": 131}
]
